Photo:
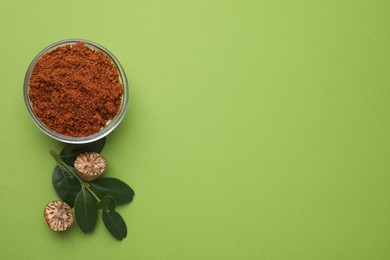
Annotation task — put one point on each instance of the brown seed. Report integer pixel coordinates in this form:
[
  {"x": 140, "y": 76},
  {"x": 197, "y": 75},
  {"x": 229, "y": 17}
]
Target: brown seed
[
  {"x": 58, "y": 215},
  {"x": 89, "y": 166}
]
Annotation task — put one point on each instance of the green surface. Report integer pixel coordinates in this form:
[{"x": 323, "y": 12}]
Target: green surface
[{"x": 255, "y": 130}]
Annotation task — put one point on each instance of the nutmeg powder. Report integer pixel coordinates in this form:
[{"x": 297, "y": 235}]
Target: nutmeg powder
[{"x": 75, "y": 90}]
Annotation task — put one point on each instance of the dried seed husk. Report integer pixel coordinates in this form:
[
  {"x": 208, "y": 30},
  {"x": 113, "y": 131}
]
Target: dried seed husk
[
  {"x": 58, "y": 215},
  {"x": 89, "y": 166}
]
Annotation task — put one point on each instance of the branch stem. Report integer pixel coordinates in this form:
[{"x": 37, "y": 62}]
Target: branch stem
[{"x": 82, "y": 183}]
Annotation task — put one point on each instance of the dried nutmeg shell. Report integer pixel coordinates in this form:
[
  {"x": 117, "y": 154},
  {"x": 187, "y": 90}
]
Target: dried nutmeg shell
[
  {"x": 58, "y": 215},
  {"x": 89, "y": 166}
]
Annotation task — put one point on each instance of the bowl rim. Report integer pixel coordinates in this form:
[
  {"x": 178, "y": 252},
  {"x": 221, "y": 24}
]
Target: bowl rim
[{"x": 110, "y": 126}]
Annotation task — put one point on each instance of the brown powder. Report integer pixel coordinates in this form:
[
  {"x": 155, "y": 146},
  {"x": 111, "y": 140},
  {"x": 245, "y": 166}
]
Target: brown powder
[{"x": 75, "y": 90}]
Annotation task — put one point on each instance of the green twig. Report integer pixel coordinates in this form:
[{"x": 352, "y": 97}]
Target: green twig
[{"x": 82, "y": 183}]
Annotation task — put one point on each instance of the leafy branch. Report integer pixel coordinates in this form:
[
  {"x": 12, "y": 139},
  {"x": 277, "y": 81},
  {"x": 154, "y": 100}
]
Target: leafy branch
[
  {"x": 83, "y": 184},
  {"x": 87, "y": 197}
]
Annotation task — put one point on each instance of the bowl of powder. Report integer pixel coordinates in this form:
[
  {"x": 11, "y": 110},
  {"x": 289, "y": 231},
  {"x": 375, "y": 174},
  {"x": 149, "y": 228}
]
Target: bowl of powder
[{"x": 76, "y": 91}]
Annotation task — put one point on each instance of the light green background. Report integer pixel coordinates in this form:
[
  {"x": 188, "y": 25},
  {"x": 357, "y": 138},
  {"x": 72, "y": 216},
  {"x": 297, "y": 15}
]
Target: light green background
[{"x": 255, "y": 130}]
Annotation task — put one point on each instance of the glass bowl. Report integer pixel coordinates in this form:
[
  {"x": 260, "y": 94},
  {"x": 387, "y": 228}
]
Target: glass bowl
[{"x": 111, "y": 125}]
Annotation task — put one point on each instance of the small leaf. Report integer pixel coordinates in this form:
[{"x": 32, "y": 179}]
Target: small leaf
[
  {"x": 108, "y": 202},
  {"x": 115, "y": 224},
  {"x": 65, "y": 184},
  {"x": 121, "y": 192},
  {"x": 70, "y": 151},
  {"x": 85, "y": 210}
]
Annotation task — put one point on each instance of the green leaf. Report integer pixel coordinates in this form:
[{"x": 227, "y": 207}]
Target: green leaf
[
  {"x": 121, "y": 192},
  {"x": 108, "y": 202},
  {"x": 85, "y": 210},
  {"x": 115, "y": 224},
  {"x": 65, "y": 184},
  {"x": 70, "y": 151}
]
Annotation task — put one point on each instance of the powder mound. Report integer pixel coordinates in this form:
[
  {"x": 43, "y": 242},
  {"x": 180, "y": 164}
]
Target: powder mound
[{"x": 75, "y": 90}]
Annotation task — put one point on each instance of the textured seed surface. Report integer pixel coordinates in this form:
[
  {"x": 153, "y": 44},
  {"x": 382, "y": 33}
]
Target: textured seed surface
[
  {"x": 90, "y": 166},
  {"x": 58, "y": 215}
]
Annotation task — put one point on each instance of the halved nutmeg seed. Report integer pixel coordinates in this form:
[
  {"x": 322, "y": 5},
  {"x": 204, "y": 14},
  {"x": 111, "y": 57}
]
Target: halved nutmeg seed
[
  {"x": 58, "y": 215},
  {"x": 89, "y": 166}
]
